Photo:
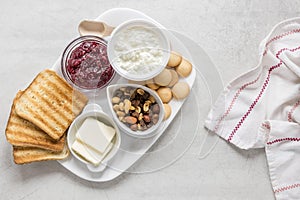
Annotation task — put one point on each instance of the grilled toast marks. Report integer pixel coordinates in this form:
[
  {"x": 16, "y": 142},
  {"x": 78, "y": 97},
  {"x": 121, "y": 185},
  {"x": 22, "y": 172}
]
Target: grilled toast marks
[
  {"x": 24, "y": 155},
  {"x": 20, "y": 132},
  {"x": 46, "y": 107}
]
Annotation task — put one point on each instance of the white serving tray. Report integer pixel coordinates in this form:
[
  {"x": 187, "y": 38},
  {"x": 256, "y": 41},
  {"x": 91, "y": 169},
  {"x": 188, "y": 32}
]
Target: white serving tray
[{"x": 131, "y": 148}]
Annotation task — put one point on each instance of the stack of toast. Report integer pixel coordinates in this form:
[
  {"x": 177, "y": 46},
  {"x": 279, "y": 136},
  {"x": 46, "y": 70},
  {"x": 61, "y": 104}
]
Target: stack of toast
[{"x": 40, "y": 116}]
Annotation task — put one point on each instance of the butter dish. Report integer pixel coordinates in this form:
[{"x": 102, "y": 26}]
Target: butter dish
[{"x": 94, "y": 154}]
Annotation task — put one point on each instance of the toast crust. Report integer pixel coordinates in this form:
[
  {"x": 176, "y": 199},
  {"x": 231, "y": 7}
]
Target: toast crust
[
  {"x": 25, "y": 155},
  {"x": 50, "y": 103}
]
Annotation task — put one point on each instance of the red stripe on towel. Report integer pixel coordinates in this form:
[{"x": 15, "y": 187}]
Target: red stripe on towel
[
  {"x": 287, "y": 188},
  {"x": 292, "y": 110},
  {"x": 233, "y": 101},
  {"x": 283, "y": 140},
  {"x": 279, "y": 37},
  {"x": 267, "y": 126},
  {"x": 236, "y": 128}
]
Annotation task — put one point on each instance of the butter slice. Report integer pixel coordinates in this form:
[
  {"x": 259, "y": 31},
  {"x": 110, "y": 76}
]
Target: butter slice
[
  {"x": 89, "y": 154},
  {"x": 95, "y": 134}
]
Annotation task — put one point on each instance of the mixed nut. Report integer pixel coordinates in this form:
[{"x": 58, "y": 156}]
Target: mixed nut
[{"x": 136, "y": 108}]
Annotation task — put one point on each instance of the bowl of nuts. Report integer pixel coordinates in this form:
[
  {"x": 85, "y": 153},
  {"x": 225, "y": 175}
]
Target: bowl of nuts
[{"x": 137, "y": 110}]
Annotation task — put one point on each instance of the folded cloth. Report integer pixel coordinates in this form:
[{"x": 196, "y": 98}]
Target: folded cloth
[
  {"x": 261, "y": 108},
  {"x": 283, "y": 155}
]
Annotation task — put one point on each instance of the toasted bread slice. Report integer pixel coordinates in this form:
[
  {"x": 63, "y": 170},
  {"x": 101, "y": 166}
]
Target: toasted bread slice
[
  {"x": 50, "y": 103},
  {"x": 23, "y": 155},
  {"x": 20, "y": 132}
]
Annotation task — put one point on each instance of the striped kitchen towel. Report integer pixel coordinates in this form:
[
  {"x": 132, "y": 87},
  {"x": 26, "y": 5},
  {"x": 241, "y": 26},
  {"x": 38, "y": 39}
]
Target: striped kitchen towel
[{"x": 261, "y": 108}]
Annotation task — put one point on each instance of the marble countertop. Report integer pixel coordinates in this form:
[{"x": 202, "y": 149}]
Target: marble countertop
[{"x": 33, "y": 35}]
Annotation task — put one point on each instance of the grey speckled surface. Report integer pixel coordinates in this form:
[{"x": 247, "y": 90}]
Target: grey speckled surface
[{"x": 33, "y": 34}]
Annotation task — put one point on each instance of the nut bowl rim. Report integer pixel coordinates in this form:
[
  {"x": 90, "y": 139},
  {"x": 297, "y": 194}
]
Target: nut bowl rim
[{"x": 138, "y": 134}]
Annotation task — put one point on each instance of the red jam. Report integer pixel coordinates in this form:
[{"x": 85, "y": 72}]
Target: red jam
[{"x": 88, "y": 66}]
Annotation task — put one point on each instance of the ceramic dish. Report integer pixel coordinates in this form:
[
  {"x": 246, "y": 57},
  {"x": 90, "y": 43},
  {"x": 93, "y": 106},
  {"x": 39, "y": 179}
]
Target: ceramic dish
[
  {"x": 138, "y": 133},
  {"x": 95, "y": 111},
  {"x": 131, "y": 149},
  {"x": 135, "y": 46}
]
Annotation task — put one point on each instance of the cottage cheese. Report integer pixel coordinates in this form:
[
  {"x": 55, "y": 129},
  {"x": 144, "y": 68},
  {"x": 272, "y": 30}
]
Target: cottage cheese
[{"x": 138, "y": 50}]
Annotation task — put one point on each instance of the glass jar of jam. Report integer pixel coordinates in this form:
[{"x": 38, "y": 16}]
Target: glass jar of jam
[{"x": 85, "y": 64}]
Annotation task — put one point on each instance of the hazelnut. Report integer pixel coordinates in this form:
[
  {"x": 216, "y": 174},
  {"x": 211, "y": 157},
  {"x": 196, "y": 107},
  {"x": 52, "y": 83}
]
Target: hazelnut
[
  {"x": 143, "y": 124},
  {"x": 147, "y": 118},
  {"x": 155, "y": 108},
  {"x": 135, "y": 102},
  {"x": 155, "y": 118},
  {"x": 135, "y": 114},
  {"x": 134, "y": 127}
]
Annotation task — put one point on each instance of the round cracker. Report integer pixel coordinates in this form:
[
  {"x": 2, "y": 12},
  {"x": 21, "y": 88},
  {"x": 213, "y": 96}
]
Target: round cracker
[
  {"x": 150, "y": 83},
  {"x": 163, "y": 78},
  {"x": 165, "y": 94},
  {"x": 175, "y": 78},
  {"x": 174, "y": 60},
  {"x": 180, "y": 90},
  {"x": 168, "y": 111},
  {"x": 184, "y": 69}
]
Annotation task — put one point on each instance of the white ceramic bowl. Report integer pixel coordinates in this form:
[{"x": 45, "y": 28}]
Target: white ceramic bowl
[
  {"x": 154, "y": 29},
  {"x": 139, "y": 133},
  {"x": 93, "y": 110}
]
